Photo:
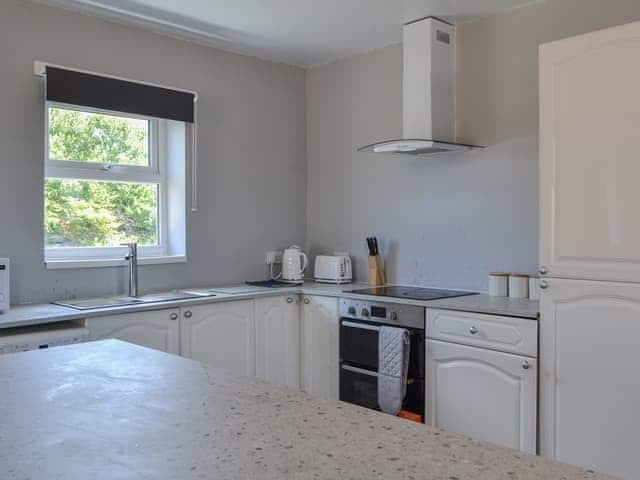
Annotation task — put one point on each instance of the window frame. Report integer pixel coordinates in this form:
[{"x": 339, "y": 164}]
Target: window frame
[{"x": 154, "y": 174}]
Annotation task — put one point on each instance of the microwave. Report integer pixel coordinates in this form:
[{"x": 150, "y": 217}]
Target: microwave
[{"x": 4, "y": 284}]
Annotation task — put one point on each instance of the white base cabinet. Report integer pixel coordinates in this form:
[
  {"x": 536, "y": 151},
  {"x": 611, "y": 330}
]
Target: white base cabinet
[
  {"x": 320, "y": 329},
  {"x": 220, "y": 334},
  {"x": 278, "y": 340},
  {"x": 481, "y": 393},
  {"x": 158, "y": 329},
  {"x": 590, "y": 375}
]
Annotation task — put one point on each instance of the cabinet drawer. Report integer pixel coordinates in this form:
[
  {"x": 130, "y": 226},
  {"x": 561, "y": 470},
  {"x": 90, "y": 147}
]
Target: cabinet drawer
[{"x": 506, "y": 334}]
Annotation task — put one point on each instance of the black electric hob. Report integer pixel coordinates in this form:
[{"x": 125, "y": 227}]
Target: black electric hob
[{"x": 412, "y": 293}]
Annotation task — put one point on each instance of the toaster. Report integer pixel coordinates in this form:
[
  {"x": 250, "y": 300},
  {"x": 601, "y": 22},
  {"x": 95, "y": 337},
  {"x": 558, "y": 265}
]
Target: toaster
[
  {"x": 332, "y": 269},
  {"x": 4, "y": 284}
]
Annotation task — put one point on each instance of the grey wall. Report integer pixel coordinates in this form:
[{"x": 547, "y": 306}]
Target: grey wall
[
  {"x": 252, "y": 149},
  {"x": 445, "y": 221}
]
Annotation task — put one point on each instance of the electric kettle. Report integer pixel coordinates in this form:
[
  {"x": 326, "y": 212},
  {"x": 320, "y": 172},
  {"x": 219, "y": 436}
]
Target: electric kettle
[{"x": 294, "y": 263}]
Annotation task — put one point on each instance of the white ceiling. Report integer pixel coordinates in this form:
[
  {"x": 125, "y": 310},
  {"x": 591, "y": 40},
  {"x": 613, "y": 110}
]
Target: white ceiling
[{"x": 298, "y": 32}]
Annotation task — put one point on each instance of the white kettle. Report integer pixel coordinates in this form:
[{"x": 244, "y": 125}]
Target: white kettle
[{"x": 294, "y": 263}]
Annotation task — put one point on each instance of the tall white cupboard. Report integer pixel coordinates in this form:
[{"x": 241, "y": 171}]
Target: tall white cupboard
[{"x": 590, "y": 250}]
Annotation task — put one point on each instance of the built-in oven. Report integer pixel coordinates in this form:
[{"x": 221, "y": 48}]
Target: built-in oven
[{"x": 360, "y": 323}]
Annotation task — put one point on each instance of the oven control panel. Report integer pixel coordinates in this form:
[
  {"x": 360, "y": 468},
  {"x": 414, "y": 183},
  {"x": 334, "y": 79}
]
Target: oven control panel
[{"x": 410, "y": 316}]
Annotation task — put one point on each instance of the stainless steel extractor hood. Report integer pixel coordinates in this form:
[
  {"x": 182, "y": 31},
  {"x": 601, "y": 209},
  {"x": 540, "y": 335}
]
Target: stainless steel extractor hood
[{"x": 428, "y": 90}]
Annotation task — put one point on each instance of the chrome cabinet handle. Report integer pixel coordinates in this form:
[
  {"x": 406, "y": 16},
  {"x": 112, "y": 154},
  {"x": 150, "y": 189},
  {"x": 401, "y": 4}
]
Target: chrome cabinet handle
[
  {"x": 188, "y": 314},
  {"x": 526, "y": 365},
  {"x": 289, "y": 299},
  {"x": 173, "y": 316},
  {"x": 307, "y": 301},
  {"x": 544, "y": 284},
  {"x": 543, "y": 270},
  {"x": 473, "y": 330}
]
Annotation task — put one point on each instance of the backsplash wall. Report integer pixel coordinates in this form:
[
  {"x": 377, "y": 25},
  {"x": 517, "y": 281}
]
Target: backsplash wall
[{"x": 449, "y": 220}]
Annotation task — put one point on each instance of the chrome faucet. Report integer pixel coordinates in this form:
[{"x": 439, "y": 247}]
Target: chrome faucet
[{"x": 132, "y": 258}]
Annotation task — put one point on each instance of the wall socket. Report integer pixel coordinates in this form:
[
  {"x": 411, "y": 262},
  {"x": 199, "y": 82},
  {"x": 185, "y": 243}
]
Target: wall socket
[{"x": 273, "y": 257}]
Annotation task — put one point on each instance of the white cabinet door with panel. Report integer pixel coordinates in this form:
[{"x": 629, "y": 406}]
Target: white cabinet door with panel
[
  {"x": 590, "y": 375},
  {"x": 220, "y": 334},
  {"x": 484, "y": 394},
  {"x": 278, "y": 340},
  {"x": 158, "y": 329},
  {"x": 320, "y": 329},
  {"x": 589, "y": 144}
]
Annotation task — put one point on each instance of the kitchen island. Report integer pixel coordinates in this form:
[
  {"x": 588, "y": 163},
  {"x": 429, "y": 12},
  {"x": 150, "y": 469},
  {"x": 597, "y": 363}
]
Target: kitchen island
[{"x": 111, "y": 410}]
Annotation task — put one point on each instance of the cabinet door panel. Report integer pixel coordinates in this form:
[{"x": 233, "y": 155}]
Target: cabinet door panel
[
  {"x": 589, "y": 144},
  {"x": 278, "y": 340},
  {"x": 320, "y": 327},
  {"x": 154, "y": 329},
  {"x": 589, "y": 381},
  {"x": 484, "y": 394},
  {"x": 220, "y": 334}
]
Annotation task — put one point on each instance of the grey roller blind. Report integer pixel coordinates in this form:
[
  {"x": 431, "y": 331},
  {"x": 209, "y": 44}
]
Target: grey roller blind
[{"x": 78, "y": 88}]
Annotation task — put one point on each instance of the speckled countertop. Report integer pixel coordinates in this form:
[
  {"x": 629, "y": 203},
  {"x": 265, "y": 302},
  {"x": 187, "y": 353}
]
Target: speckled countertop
[
  {"x": 34, "y": 314},
  {"x": 111, "y": 410}
]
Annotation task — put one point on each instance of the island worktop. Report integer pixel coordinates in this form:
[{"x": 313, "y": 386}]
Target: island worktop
[{"x": 111, "y": 410}]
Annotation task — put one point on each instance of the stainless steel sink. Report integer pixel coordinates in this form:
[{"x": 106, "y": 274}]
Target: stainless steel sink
[
  {"x": 90, "y": 303},
  {"x": 121, "y": 301}
]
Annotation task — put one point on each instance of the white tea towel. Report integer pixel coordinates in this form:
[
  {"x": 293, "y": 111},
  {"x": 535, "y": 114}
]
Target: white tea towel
[{"x": 393, "y": 366}]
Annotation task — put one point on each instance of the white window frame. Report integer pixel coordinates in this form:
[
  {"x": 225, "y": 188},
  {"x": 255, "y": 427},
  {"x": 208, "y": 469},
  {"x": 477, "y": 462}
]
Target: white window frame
[{"x": 154, "y": 173}]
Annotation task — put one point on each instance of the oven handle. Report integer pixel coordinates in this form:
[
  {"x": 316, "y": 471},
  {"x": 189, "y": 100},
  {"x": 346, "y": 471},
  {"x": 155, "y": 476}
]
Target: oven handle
[
  {"x": 366, "y": 326},
  {"x": 359, "y": 370},
  {"x": 410, "y": 381},
  {"x": 363, "y": 326}
]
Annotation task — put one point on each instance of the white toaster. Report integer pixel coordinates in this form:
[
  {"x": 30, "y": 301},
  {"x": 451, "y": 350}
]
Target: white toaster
[
  {"x": 332, "y": 269},
  {"x": 4, "y": 284}
]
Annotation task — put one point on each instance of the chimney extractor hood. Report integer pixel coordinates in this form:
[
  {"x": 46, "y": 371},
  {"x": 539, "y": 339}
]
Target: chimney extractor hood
[{"x": 427, "y": 92}]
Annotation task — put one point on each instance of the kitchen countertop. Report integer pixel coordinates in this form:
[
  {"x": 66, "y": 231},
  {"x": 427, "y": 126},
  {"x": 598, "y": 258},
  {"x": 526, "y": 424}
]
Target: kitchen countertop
[
  {"x": 34, "y": 314},
  {"x": 114, "y": 410},
  {"x": 514, "y": 307}
]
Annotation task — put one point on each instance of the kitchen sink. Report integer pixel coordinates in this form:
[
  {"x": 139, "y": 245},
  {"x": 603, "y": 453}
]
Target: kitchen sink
[
  {"x": 90, "y": 303},
  {"x": 121, "y": 301}
]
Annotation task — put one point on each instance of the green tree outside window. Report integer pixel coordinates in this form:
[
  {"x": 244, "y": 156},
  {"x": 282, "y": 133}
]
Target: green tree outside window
[{"x": 89, "y": 213}]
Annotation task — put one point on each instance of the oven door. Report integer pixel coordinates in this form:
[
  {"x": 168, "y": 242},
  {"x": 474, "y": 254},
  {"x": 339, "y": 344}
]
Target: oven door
[
  {"x": 359, "y": 344},
  {"x": 359, "y": 386},
  {"x": 359, "y": 366}
]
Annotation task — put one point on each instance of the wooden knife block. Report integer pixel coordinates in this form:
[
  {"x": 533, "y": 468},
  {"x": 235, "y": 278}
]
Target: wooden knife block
[{"x": 376, "y": 274}]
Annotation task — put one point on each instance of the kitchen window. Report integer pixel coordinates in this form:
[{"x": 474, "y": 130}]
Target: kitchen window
[
  {"x": 115, "y": 168},
  {"x": 105, "y": 184}
]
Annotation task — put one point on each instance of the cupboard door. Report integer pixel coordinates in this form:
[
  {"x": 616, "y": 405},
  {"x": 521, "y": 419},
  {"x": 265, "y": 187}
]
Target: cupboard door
[
  {"x": 220, "y": 334},
  {"x": 278, "y": 340},
  {"x": 484, "y": 394},
  {"x": 320, "y": 328},
  {"x": 589, "y": 381},
  {"x": 156, "y": 329},
  {"x": 589, "y": 144}
]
